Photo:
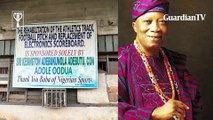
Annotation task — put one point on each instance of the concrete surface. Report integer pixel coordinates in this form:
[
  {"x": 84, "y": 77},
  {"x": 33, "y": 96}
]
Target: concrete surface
[
  {"x": 23, "y": 112},
  {"x": 112, "y": 87},
  {"x": 95, "y": 96},
  {"x": 105, "y": 12}
]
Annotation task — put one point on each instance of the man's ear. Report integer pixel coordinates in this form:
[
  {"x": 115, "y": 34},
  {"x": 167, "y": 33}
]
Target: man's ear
[{"x": 134, "y": 26}]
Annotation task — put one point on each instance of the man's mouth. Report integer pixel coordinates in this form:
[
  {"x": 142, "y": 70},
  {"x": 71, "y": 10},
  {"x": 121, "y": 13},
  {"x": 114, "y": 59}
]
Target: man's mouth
[{"x": 155, "y": 37}]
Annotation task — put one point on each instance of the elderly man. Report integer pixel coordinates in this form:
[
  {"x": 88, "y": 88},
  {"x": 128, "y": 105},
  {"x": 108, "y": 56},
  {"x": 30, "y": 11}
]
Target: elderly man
[{"x": 154, "y": 82}]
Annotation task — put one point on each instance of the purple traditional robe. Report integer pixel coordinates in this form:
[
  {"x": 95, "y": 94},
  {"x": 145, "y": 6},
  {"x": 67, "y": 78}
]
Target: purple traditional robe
[{"x": 137, "y": 95}]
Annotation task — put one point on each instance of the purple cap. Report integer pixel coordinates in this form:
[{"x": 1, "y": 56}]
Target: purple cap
[{"x": 140, "y": 7}]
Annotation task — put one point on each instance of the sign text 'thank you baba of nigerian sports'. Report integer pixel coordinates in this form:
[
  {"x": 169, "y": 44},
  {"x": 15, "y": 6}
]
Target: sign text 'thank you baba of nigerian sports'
[{"x": 56, "y": 55}]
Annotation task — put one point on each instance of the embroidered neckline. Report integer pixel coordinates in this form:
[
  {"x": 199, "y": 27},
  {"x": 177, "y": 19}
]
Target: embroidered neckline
[{"x": 151, "y": 75}]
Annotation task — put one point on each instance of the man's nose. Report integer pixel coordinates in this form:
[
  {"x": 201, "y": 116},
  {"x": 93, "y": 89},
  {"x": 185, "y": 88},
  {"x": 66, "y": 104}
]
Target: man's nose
[{"x": 155, "y": 27}]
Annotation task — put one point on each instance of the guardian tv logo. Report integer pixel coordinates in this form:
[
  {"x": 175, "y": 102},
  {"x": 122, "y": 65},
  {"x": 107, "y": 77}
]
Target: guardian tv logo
[{"x": 184, "y": 17}]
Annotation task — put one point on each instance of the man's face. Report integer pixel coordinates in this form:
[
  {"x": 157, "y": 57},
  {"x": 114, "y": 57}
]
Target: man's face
[{"x": 151, "y": 30}]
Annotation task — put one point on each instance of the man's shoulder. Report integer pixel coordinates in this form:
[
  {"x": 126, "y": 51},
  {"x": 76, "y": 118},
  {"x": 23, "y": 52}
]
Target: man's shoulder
[{"x": 126, "y": 49}]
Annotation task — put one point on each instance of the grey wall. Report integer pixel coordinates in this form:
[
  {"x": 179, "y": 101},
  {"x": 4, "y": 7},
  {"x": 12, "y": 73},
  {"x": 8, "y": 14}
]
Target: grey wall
[
  {"x": 191, "y": 38},
  {"x": 37, "y": 11}
]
